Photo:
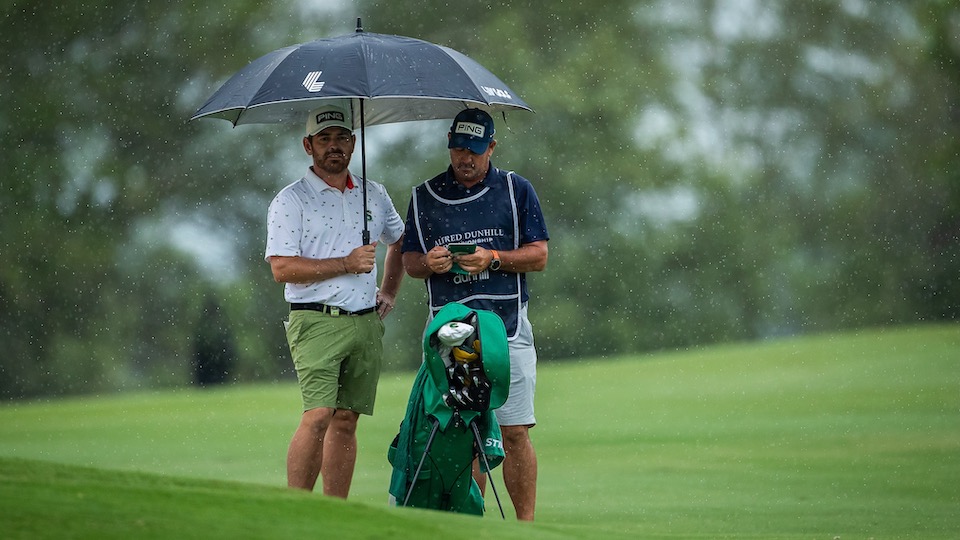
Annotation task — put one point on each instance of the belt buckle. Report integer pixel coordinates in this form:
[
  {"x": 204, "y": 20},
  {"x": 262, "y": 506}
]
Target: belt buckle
[{"x": 334, "y": 311}]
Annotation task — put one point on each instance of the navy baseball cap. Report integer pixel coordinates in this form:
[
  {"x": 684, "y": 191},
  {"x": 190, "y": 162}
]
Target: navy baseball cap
[{"x": 471, "y": 129}]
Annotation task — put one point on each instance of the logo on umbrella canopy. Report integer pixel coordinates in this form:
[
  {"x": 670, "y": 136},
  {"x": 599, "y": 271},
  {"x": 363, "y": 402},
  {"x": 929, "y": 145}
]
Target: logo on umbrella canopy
[
  {"x": 312, "y": 81},
  {"x": 496, "y": 92}
]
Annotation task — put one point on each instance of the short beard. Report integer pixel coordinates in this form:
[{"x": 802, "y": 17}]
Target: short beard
[{"x": 333, "y": 168}]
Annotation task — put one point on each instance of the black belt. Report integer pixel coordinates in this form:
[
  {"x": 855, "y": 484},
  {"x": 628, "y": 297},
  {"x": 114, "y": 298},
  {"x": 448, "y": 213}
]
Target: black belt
[{"x": 331, "y": 310}]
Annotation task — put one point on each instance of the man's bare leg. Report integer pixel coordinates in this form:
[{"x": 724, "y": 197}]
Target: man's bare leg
[
  {"x": 305, "y": 455},
  {"x": 340, "y": 454},
  {"x": 520, "y": 470},
  {"x": 479, "y": 477}
]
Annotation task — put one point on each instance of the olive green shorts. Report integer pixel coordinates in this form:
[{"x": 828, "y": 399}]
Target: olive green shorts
[{"x": 338, "y": 359}]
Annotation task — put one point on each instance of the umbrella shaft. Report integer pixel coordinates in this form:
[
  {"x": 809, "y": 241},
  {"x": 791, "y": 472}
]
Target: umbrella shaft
[{"x": 363, "y": 168}]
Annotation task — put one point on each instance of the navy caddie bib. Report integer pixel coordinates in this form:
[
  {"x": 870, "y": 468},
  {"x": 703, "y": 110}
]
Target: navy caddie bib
[{"x": 486, "y": 215}]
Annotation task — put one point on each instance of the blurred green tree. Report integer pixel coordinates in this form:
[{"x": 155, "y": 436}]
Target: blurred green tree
[{"x": 97, "y": 153}]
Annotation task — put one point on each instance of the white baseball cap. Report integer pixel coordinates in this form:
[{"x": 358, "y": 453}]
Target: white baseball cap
[{"x": 328, "y": 116}]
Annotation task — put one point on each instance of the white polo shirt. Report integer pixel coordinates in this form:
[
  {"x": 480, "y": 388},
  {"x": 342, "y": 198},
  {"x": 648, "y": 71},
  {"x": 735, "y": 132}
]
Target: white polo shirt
[{"x": 310, "y": 219}]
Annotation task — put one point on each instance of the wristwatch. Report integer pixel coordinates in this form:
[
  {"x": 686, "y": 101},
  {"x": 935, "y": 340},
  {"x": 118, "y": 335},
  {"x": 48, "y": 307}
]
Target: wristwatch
[{"x": 495, "y": 262}]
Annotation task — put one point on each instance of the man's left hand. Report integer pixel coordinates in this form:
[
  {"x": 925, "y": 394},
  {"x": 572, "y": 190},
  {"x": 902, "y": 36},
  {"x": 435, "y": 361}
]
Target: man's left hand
[
  {"x": 385, "y": 304},
  {"x": 475, "y": 262}
]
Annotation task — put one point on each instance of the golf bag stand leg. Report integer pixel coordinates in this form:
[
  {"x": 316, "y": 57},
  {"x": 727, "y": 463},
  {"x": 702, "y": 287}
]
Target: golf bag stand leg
[
  {"x": 486, "y": 465},
  {"x": 426, "y": 450}
]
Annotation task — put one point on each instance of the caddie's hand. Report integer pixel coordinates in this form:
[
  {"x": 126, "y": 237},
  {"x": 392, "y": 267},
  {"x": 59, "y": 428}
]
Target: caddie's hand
[
  {"x": 439, "y": 260},
  {"x": 475, "y": 262},
  {"x": 361, "y": 259}
]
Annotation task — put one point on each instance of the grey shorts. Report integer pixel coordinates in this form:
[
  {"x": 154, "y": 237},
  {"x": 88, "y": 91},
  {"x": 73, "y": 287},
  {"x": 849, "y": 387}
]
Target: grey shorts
[{"x": 518, "y": 410}]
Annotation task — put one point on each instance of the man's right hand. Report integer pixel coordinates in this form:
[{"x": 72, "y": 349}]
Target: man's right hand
[
  {"x": 439, "y": 260},
  {"x": 361, "y": 260}
]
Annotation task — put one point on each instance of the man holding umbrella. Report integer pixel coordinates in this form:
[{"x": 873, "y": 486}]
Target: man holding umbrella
[
  {"x": 492, "y": 218},
  {"x": 314, "y": 246}
]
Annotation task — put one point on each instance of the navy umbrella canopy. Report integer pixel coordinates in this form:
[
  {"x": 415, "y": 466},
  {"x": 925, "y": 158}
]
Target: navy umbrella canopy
[
  {"x": 394, "y": 78},
  {"x": 384, "y": 78}
]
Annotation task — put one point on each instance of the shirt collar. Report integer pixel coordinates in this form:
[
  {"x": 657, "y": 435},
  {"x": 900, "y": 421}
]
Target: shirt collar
[{"x": 323, "y": 184}]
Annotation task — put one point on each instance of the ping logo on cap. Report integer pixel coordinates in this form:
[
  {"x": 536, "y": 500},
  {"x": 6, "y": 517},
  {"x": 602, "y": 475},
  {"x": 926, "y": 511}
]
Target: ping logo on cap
[
  {"x": 327, "y": 116},
  {"x": 469, "y": 128}
]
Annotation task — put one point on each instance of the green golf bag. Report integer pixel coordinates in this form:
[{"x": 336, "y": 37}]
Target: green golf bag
[{"x": 450, "y": 417}]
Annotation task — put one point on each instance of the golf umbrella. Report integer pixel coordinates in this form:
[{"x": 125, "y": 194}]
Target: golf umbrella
[{"x": 385, "y": 78}]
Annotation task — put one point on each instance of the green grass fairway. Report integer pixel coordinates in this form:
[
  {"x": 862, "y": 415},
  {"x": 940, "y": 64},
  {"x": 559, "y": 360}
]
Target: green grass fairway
[
  {"x": 851, "y": 435},
  {"x": 46, "y": 500}
]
